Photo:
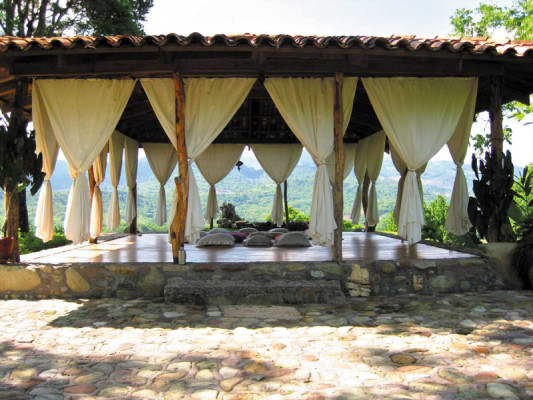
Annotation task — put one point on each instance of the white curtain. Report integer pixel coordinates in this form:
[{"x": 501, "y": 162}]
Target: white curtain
[
  {"x": 83, "y": 114},
  {"x": 209, "y": 105},
  {"x": 360, "y": 164},
  {"x": 97, "y": 209},
  {"x": 278, "y": 161},
  {"x": 306, "y": 105},
  {"x": 375, "y": 150},
  {"x": 215, "y": 163},
  {"x": 116, "y": 146},
  {"x": 457, "y": 221},
  {"x": 162, "y": 158},
  {"x": 349, "y": 154},
  {"x": 401, "y": 167},
  {"x": 46, "y": 144},
  {"x": 419, "y": 116},
  {"x": 131, "y": 154}
]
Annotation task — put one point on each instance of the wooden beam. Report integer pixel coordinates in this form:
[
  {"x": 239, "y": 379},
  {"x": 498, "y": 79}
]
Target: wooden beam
[
  {"x": 177, "y": 232},
  {"x": 285, "y": 198},
  {"x": 92, "y": 184},
  {"x": 133, "y": 226},
  {"x": 11, "y": 199},
  {"x": 339, "y": 167}
]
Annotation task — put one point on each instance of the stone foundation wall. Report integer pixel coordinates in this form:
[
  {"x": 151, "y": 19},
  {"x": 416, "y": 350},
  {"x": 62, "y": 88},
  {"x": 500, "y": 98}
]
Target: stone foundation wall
[{"x": 149, "y": 279}]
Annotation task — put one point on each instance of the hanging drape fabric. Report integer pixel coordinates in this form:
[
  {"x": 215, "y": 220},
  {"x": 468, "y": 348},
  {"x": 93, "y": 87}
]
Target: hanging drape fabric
[
  {"x": 209, "y": 105},
  {"x": 97, "y": 208},
  {"x": 419, "y": 116},
  {"x": 162, "y": 158},
  {"x": 131, "y": 154},
  {"x": 401, "y": 167},
  {"x": 215, "y": 163},
  {"x": 47, "y": 145},
  {"x": 360, "y": 164},
  {"x": 83, "y": 114},
  {"x": 375, "y": 151},
  {"x": 116, "y": 146},
  {"x": 349, "y": 154},
  {"x": 278, "y": 161},
  {"x": 306, "y": 105},
  {"x": 457, "y": 221}
]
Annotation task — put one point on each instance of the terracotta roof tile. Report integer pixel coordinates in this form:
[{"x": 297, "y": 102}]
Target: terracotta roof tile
[{"x": 474, "y": 45}]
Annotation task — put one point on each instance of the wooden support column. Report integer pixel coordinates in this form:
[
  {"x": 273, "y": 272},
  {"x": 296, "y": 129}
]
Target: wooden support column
[
  {"x": 92, "y": 184},
  {"x": 285, "y": 199},
  {"x": 133, "y": 226},
  {"x": 496, "y": 118},
  {"x": 339, "y": 167},
  {"x": 177, "y": 228},
  {"x": 11, "y": 199}
]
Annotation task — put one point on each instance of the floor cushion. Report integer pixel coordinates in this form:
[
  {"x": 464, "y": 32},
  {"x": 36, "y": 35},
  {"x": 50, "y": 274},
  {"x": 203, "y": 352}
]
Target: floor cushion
[
  {"x": 258, "y": 241},
  {"x": 278, "y": 230},
  {"x": 270, "y": 235},
  {"x": 247, "y": 230},
  {"x": 238, "y": 236},
  {"x": 216, "y": 239},
  {"x": 218, "y": 230},
  {"x": 293, "y": 239}
]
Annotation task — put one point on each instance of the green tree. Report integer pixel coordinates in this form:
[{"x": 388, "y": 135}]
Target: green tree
[
  {"x": 487, "y": 20},
  {"x": 47, "y": 18}
]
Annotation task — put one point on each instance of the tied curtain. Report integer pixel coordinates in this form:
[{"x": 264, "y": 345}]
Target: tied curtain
[
  {"x": 209, "y": 105},
  {"x": 349, "y": 153},
  {"x": 162, "y": 158},
  {"x": 401, "y": 167},
  {"x": 131, "y": 149},
  {"x": 116, "y": 146},
  {"x": 97, "y": 209},
  {"x": 375, "y": 151},
  {"x": 457, "y": 221},
  {"x": 83, "y": 115},
  {"x": 47, "y": 145},
  {"x": 419, "y": 116},
  {"x": 360, "y": 165},
  {"x": 215, "y": 163},
  {"x": 278, "y": 161},
  {"x": 306, "y": 105}
]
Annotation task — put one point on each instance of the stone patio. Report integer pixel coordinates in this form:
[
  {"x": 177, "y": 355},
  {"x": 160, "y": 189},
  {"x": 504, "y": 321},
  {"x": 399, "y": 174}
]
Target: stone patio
[{"x": 454, "y": 346}]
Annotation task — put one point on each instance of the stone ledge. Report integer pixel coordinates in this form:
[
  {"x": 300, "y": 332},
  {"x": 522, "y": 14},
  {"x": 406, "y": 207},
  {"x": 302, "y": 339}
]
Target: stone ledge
[{"x": 237, "y": 292}]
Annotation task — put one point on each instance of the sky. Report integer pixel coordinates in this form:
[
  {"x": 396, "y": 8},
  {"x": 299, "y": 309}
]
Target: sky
[{"x": 424, "y": 18}]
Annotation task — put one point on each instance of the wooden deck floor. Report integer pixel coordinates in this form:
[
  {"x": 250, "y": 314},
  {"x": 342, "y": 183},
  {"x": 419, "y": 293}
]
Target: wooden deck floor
[{"x": 155, "y": 248}]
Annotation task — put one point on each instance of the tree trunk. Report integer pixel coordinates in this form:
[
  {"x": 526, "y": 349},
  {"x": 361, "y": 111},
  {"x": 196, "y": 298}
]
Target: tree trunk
[
  {"x": 24, "y": 221},
  {"x": 11, "y": 201}
]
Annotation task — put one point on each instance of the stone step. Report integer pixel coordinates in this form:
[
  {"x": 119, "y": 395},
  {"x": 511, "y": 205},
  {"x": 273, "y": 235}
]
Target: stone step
[{"x": 254, "y": 292}]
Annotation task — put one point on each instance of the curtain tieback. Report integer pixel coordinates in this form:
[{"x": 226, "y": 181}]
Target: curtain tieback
[
  {"x": 191, "y": 160},
  {"x": 320, "y": 163}
]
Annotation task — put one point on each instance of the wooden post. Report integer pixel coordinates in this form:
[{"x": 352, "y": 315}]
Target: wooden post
[
  {"x": 133, "y": 226},
  {"x": 339, "y": 167},
  {"x": 285, "y": 199},
  {"x": 92, "y": 184},
  {"x": 211, "y": 224},
  {"x": 177, "y": 229},
  {"x": 11, "y": 199}
]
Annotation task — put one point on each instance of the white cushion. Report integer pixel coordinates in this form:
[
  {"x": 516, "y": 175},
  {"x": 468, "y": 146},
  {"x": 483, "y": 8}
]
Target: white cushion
[
  {"x": 293, "y": 239},
  {"x": 271, "y": 235},
  {"x": 216, "y": 239},
  {"x": 218, "y": 230},
  {"x": 247, "y": 230},
  {"x": 278, "y": 230},
  {"x": 258, "y": 241}
]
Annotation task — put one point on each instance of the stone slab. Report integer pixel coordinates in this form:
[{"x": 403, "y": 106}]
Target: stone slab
[{"x": 266, "y": 312}]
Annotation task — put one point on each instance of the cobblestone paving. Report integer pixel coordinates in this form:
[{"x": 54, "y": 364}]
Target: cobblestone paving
[{"x": 469, "y": 346}]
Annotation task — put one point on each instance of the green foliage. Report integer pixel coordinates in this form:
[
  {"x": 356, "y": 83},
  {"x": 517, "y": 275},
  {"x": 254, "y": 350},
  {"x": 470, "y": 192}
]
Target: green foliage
[
  {"x": 294, "y": 215},
  {"x": 521, "y": 208},
  {"x": 29, "y": 243},
  {"x": 435, "y": 218},
  {"x": 49, "y": 18},
  {"x": 523, "y": 254},
  {"x": 387, "y": 224},
  {"x": 493, "y": 196},
  {"x": 19, "y": 165}
]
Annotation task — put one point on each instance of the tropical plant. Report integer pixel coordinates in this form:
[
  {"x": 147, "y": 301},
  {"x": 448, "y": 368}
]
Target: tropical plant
[
  {"x": 489, "y": 209},
  {"x": 523, "y": 253},
  {"x": 522, "y": 206}
]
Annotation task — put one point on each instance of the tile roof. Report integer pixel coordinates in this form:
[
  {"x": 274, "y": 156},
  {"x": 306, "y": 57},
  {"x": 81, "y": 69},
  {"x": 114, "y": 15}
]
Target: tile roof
[{"x": 473, "y": 45}]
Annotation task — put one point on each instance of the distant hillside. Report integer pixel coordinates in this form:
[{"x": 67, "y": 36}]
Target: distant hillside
[{"x": 251, "y": 190}]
